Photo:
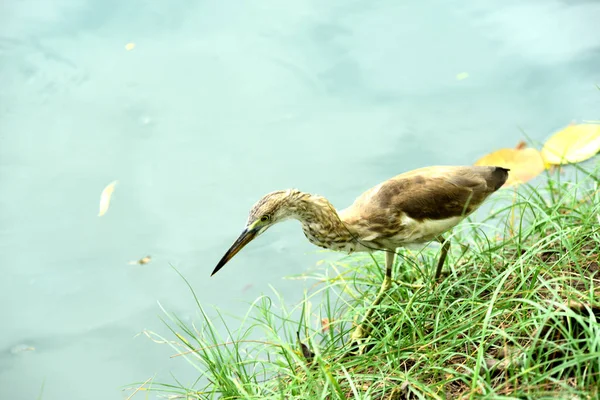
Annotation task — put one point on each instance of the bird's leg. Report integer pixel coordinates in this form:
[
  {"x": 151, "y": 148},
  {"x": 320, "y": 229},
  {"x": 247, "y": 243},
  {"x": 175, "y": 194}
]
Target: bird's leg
[
  {"x": 362, "y": 331},
  {"x": 445, "y": 247},
  {"x": 390, "y": 256}
]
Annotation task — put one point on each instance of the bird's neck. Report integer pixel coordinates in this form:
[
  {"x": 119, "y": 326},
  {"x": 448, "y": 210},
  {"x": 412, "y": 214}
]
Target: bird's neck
[{"x": 321, "y": 223}]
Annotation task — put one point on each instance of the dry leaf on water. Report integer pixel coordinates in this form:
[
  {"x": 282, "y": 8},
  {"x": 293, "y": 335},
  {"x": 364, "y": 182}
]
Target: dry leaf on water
[
  {"x": 247, "y": 287},
  {"x": 573, "y": 144},
  {"x": 141, "y": 261},
  {"x": 21, "y": 348},
  {"x": 105, "y": 198},
  {"x": 525, "y": 163}
]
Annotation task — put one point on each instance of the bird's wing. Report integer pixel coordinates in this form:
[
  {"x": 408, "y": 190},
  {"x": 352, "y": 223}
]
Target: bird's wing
[{"x": 433, "y": 193}]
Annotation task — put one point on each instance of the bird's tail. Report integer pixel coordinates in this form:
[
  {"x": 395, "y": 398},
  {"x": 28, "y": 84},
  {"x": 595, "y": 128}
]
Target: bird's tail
[{"x": 499, "y": 176}]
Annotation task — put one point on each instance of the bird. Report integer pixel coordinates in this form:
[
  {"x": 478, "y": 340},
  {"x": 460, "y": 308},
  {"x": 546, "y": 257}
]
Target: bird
[{"x": 413, "y": 208}]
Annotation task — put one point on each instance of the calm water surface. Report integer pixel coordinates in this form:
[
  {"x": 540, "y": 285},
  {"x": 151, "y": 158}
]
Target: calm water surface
[{"x": 218, "y": 103}]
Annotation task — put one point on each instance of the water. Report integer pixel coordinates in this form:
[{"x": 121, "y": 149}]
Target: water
[{"x": 218, "y": 103}]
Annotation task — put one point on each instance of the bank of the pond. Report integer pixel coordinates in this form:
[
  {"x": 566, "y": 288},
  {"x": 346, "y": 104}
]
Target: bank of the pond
[{"x": 517, "y": 317}]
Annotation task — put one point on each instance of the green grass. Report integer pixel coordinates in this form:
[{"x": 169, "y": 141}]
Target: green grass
[{"x": 516, "y": 318}]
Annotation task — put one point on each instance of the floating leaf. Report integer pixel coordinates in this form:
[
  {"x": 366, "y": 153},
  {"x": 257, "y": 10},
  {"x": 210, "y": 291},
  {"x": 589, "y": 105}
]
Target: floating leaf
[
  {"x": 573, "y": 144},
  {"x": 21, "y": 348},
  {"x": 105, "y": 198},
  {"x": 524, "y": 163},
  {"x": 144, "y": 260},
  {"x": 461, "y": 76},
  {"x": 247, "y": 287},
  {"x": 141, "y": 261},
  {"x": 130, "y": 46}
]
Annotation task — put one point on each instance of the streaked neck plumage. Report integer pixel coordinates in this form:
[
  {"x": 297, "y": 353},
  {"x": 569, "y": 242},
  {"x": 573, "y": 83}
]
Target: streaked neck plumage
[{"x": 321, "y": 222}]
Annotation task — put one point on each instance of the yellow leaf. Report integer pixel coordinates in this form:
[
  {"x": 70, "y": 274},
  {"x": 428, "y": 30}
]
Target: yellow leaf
[
  {"x": 141, "y": 261},
  {"x": 129, "y": 46},
  {"x": 524, "y": 163},
  {"x": 105, "y": 197},
  {"x": 145, "y": 260},
  {"x": 573, "y": 144},
  {"x": 461, "y": 76}
]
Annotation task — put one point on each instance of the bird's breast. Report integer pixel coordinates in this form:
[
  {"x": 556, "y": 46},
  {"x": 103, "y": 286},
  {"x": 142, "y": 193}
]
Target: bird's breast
[{"x": 329, "y": 240}]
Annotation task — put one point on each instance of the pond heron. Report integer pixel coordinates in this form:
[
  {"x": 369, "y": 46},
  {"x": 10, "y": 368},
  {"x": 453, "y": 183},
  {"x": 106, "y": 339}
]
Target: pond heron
[{"x": 415, "y": 207}]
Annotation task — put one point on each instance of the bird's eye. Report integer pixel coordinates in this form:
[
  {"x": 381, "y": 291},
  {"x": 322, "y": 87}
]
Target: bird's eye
[{"x": 265, "y": 218}]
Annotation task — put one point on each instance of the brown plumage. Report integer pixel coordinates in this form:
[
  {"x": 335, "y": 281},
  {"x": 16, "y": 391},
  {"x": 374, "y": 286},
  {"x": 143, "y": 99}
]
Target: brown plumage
[
  {"x": 412, "y": 208},
  {"x": 415, "y": 207}
]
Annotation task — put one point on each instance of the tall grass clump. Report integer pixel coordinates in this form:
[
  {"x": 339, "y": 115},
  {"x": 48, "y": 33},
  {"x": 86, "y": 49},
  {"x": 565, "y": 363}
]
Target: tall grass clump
[{"x": 517, "y": 316}]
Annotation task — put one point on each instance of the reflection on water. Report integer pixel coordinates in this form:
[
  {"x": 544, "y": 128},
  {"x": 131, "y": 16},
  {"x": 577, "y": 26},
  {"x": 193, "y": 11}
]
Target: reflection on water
[{"x": 217, "y": 104}]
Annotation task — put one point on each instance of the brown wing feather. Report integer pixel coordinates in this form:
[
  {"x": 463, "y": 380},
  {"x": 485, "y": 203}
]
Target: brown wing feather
[{"x": 428, "y": 193}]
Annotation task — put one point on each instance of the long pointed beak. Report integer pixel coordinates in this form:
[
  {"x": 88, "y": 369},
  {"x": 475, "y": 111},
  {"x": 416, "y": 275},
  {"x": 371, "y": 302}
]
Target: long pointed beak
[{"x": 245, "y": 238}]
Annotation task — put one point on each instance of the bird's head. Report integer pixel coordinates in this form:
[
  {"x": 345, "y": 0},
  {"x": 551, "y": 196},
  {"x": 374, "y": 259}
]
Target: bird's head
[{"x": 271, "y": 209}]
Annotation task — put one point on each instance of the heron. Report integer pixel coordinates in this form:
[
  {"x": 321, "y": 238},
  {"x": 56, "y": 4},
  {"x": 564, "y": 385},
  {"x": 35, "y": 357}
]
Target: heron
[{"x": 413, "y": 208}]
